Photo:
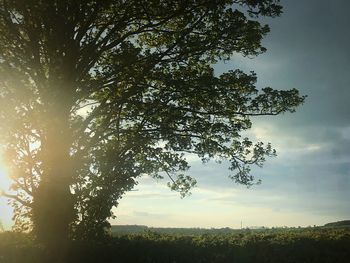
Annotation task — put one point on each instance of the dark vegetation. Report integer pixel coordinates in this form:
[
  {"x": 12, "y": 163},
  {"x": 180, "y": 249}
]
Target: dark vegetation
[
  {"x": 339, "y": 223},
  {"x": 117, "y": 230},
  {"x": 269, "y": 245}
]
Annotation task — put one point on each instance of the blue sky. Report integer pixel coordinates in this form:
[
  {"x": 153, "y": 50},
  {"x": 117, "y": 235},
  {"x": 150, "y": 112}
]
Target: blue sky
[{"x": 308, "y": 182}]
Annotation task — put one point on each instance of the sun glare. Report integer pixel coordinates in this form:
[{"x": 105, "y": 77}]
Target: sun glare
[{"x": 4, "y": 179}]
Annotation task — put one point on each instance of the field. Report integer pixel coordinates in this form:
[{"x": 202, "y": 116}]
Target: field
[{"x": 273, "y": 245}]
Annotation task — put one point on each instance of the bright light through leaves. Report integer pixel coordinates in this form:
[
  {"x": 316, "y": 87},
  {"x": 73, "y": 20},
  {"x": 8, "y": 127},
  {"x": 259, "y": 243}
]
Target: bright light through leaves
[{"x": 4, "y": 179}]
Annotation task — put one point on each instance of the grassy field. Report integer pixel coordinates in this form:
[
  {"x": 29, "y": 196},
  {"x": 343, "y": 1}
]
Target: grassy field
[{"x": 274, "y": 245}]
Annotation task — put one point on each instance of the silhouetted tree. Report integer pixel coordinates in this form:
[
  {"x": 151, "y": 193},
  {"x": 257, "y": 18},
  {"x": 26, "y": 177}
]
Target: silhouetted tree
[{"x": 94, "y": 94}]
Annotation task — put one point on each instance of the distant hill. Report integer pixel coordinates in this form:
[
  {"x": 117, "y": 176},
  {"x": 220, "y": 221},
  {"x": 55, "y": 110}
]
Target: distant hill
[
  {"x": 339, "y": 223},
  {"x": 128, "y": 229}
]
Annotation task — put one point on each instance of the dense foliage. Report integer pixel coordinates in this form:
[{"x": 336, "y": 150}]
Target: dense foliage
[{"x": 312, "y": 245}]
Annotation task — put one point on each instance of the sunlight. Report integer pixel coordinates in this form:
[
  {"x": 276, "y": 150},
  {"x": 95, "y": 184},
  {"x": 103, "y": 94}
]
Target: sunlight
[
  {"x": 5, "y": 181},
  {"x": 6, "y": 212}
]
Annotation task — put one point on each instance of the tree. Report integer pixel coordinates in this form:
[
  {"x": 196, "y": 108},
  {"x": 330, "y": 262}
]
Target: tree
[{"x": 96, "y": 93}]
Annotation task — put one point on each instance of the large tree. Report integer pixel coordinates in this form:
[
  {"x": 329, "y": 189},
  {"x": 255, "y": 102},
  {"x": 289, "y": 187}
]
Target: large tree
[{"x": 95, "y": 93}]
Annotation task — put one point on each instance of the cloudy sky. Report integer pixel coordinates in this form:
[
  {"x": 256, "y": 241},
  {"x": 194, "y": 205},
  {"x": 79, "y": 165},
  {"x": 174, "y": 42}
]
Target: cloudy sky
[{"x": 308, "y": 182}]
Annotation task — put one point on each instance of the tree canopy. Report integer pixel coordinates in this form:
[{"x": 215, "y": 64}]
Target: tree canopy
[{"x": 94, "y": 94}]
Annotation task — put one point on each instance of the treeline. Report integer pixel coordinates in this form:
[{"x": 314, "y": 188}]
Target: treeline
[
  {"x": 339, "y": 224},
  {"x": 117, "y": 230},
  {"x": 308, "y": 246},
  {"x": 139, "y": 229}
]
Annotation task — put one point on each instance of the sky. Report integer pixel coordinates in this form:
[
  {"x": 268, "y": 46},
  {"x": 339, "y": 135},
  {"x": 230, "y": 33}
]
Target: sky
[{"x": 308, "y": 182}]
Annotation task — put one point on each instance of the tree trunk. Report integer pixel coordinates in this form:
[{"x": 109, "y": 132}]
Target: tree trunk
[{"x": 53, "y": 210}]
